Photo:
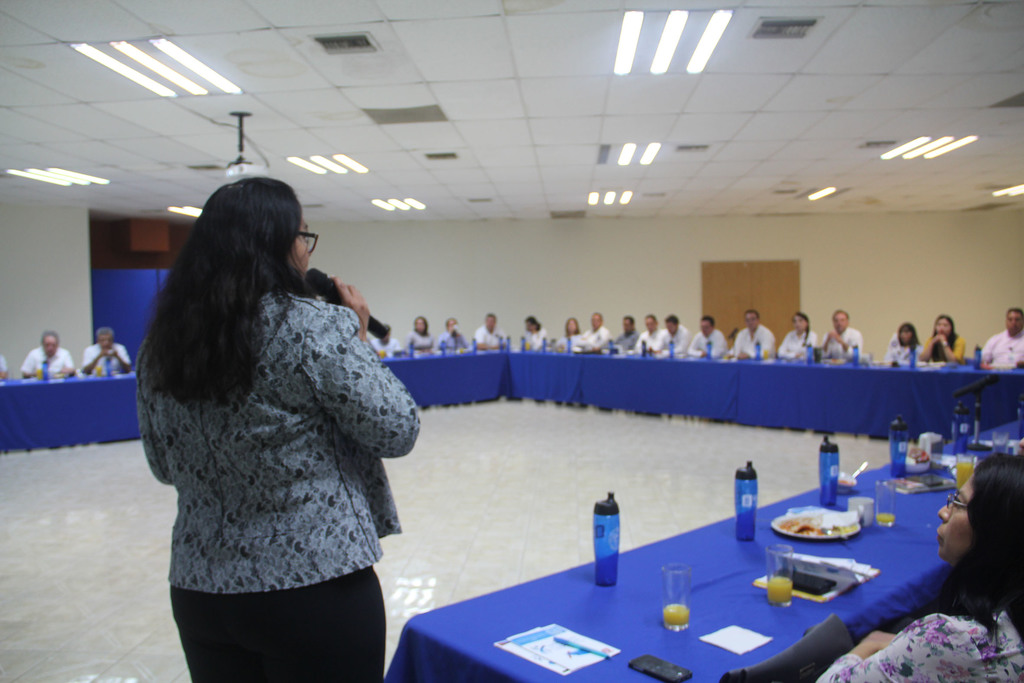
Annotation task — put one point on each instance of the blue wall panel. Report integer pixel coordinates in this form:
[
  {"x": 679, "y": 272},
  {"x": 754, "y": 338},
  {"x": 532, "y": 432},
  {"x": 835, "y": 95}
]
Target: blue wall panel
[{"x": 122, "y": 299}]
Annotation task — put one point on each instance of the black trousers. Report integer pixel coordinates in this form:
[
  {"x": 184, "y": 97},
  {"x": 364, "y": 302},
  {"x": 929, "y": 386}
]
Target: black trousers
[{"x": 331, "y": 632}]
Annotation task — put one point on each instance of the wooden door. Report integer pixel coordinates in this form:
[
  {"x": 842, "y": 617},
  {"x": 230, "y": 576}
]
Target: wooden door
[{"x": 728, "y": 288}]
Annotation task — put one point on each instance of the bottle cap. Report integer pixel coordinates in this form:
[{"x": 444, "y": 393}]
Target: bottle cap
[
  {"x": 961, "y": 409},
  {"x": 607, "y": 507},
  {"x": 829, "y": 447},
  {"x": 747, "y": 472},
  {"x": 898, "y": 424}
]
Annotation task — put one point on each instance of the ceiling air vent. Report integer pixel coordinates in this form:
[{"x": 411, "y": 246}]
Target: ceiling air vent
[
  {"x": 691, "y": 148},
  {"x": 874, "y": 144},
  {"x": 441, "y": 156},
  {"x": 1015, "y": 101},
  {"x": 568, "y": 214},
  {"x": 347, "y": 44},
  {"x": 602, "y": 154},
  {"x": 987, "y": 207},
  {"x": 206, "y": 167},
  {"x": 428, "y": 114},
  {"x": 653, "y": 195},
  {"x": 782, "y": 28},
  {"x": 479, "y": 200}
]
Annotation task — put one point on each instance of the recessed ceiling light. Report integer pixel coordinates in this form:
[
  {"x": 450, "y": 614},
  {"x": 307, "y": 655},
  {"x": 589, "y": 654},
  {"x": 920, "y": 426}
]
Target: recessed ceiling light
[
  {"x": 893, "y": 153},
  {"x": 194, "y": 65},
  {"x": 309, "y": 166},
  {"x": 924, "y": 149},
  {"x": 649, "y": 153},
  {"x": 669, "y": 40},
  {"x": 34, "y": 176},
  {"x": 123, "y": 69},
  {"x": 186, "y": 210},
  {"x": 626, "y": 197},
  {"x": 380, "y": 203},
  {"x": 626, "y": 155},
  {"x": 629, "y": 36},
  {"x": 1005, "y": 192},
  {"x": 399, "y": 204},
  {"x": 418, "y": 205},
  {"x": 81, "y": 176},
  {"x": 57, "y": 176},
  {"x": 593, "y": 198},
  {"x": 708, "y": 41},
  {"x": 821, "y": 193},
  {"x": 951, "y": 146},
  {"x": 609, "y": 197},
  {"x": 132, "y": 52},
  {"x": 328, "y": 164},
  {"x": 351, "y": 163}
]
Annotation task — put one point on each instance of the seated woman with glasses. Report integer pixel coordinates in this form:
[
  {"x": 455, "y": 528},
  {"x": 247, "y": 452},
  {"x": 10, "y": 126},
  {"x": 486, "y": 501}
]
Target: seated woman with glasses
[{"x": 976, "y": 636}]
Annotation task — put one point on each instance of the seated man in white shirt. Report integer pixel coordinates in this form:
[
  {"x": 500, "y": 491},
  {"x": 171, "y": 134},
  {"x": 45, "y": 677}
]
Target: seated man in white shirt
[
  {"x": 595, "y": 339},
  {"x": 652, "y": 340},
  {"x": 840, "y": 342},
  {"x": 627, "y": 340},
  {"x": 678, "y": 336},
  {"x": 58, "y": 360},
  {"x": 488, "y": 336},
  {"x": 753, "y": 334},
  {"x": 1007, "y": 347},
  {"x": 105, "y": 357},
  {"x": 452, "y": 340},
  {"x": 708, "y": 334},
  {"x": 386, "y": 347}
]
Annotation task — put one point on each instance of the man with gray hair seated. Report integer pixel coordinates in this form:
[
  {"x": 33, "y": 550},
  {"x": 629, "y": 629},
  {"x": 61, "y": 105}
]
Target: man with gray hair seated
[
  {"x": 105, "y": 357},
  {"x": 58, "y": 361}
]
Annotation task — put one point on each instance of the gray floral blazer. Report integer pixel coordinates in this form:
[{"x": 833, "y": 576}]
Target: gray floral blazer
[{"x": 283, "y": 487}]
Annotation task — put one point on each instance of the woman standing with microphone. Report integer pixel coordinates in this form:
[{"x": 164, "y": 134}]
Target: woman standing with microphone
[{"x": 269, "y": 413}]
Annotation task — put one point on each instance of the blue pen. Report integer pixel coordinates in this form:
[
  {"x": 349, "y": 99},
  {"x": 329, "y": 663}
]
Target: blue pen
[{"x": 563, "y": 641}]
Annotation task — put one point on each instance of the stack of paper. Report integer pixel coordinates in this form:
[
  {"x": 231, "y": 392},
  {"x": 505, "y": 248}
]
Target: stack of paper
[{"x": 557, "y": 648}]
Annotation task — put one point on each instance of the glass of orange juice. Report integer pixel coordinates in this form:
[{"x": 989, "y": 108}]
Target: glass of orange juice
[
  {"x": 885, "y": 503},
  {"x": 964, "y": 469},
  {"x": 675, "y": 596},
  {"x": 779, "y": 560}
]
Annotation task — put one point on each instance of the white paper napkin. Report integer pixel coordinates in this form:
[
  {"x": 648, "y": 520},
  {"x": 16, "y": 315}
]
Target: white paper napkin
[{"x": 736, "y": 639}]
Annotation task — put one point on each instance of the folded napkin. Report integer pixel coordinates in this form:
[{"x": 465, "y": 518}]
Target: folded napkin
[{"x": 736, "y": 639}]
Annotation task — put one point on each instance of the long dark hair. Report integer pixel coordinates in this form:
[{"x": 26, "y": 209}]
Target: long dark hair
[
  {"x": 937, "y": 354},
  {"x": 989, "y": 578},
  {"x": 202, "y": 341},
  {"x": 807, "y": 334},
  {"x": 908, "y": 327}
]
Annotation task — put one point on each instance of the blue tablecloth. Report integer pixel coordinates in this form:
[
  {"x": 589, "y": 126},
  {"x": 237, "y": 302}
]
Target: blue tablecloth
[
  {"x": 455, "y": 643},
  {"x": 446, "y": 380},
  {"x": 37, "y": 414}
]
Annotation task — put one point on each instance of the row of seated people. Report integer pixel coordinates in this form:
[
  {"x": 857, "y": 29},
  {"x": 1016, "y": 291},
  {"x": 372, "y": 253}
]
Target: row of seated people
[
  {"x": 50, "y": 359},
  {"x": 842, "y": 342}
]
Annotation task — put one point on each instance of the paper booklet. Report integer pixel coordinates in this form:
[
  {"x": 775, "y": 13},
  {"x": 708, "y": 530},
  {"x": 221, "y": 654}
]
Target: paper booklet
[
  {"x": 557, "y": 648},
  {"x": 846, "y": 572}
]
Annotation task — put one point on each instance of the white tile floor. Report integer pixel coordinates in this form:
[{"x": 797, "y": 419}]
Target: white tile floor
[{"x": 85, "y": 531}]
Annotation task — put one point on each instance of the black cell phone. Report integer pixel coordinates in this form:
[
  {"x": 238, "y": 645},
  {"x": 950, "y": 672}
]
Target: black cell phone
[
  {"x": 809, "y": 583},
  {"x": 660, "y": 669}
]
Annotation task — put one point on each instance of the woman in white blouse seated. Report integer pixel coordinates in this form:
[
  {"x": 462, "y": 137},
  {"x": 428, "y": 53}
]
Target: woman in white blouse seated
[
  {"x": 420, "y": 338},
  {"x": 976, "y": 634},
  {"x": 572, "y": 335},
  {"x": 794, "y": 346},
  {"x": 535, "y": 334},
  {"x": 902, "y": 345}
]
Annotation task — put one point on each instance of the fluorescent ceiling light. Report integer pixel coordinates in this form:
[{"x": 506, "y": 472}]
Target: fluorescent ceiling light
[
  {"x": 821, "y": 193},
  {"x": 902, "y": 149},
  {"x": 193, "y": 64},
  {"x": 328, "y": 164},
  {"x": 311, "y": 167},
  {"x": 649, "y": 153},
  {"x": 33, "y": 176},
  {"x": 382, "y": 204},
  {"x": 593, "y": 198},
  {"x": 1005, "y": 192},
  {"x": 708, "y": 41},
  {"x": 123, "y": 69},
  {"x": 167, "y": 72},
  {"x": 669, "y": 40},
  {"x": 351, "y": 163},
  {"x": 186, "y": 210},
  {"x": 924, "y": 149},
  {"x": 82, "y": 176},
  {"x": 57, "y": 176},
  {"x": 419, "y": 206},
  {"x": 632, "y": 22},
  {"x": 951, "y": 146},
  {"x": 609, "y": 198},
  {"x": 626, "y": 196},
  {"x": 626, "y": 155},
  {"x": 399, "y": 204}
]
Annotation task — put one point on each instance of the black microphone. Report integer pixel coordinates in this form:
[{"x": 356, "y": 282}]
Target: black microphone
[
  {"x": 732, "y": 335},
  {"x": 976, "y": 385},
  {"x": 324, "y": 286}
]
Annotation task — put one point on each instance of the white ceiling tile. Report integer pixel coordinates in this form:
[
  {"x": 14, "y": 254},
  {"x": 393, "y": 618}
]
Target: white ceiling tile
[
  {"x": 567, "y": 131},
  {"x": 978, "y": 90},
  {"x": 747, "y": 151},
  {"x": 86, "y": 120},
  {"x": 567, "y": 155},
  {"x": 638, "y": 129},
  {"x": 646, "y": 94},
  {"x": 388, "y": 64},
  {"x": 426, "y": 136},
  {"x": 986, "y": 40},
  {"x": 695, "y": 129},
  {"x": 80, "y": 21},
  {"x": 848, "y": 125},
  {"x": 581, "y": 44},
  {"x": 159, "y": 115},
  {"x": 196, "y": 16},
  {"x": 778, "y": 125},
  {"x": 316, "y": 12},
  {"x": 161, "y": 150},
  {"x": 819, "y": 93},
  {"x": 111, "y": 156},
  {"x": 19, "y": 91},
  {"x": 483, "y": 48},
  {"x": 26, "y": 128},
  {"x": 489, "y": 133},
  {"x": 499, "y": 157},
  {"x": 470, "y": 100},
  {"x": 358, "y": 139},
  {"x": 390, "y": 96},
  {"x": 436, "y": 9},
  {"x": 734, "y": 93},
  {"x": 564, "y": 96},
  {"x": 314, "y": 108}
]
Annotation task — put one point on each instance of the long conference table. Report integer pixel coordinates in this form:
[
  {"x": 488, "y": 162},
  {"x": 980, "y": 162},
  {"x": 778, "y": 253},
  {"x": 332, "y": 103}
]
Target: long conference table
[
  {"x": 456, "y": 643},
  {"x": 826, "y": 398}
]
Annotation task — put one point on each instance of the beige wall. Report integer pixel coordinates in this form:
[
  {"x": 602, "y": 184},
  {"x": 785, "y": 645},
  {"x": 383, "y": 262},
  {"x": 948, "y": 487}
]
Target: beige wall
[
  {"x": 44, "y": 279},
  {"x": 884, "y": 269}
]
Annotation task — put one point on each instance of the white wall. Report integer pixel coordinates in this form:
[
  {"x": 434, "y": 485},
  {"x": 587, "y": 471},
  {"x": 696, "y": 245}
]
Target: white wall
[
  {"x": 884, "y": 269},
  {"x": 44, "y": 280}
]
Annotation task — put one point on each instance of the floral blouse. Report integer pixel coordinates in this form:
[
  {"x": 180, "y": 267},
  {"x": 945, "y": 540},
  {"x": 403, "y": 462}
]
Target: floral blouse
[{"x": 939, "y": 649}]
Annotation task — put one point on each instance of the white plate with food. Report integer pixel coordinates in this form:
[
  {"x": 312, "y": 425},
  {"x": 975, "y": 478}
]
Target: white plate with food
[{"x": 817, "y": 524}]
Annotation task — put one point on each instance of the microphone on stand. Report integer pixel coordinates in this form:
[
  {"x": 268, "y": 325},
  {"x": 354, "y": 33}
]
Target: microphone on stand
[
  {"x": 732, "y": 335},
  {"x": 976, "y": 386},
  {"x": 324, "y": 286}
]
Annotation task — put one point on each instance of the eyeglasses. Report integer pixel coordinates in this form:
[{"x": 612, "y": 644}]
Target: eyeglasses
[
  {"x": 953, "y": 500},
  {"x": 311, "y": 240}
]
